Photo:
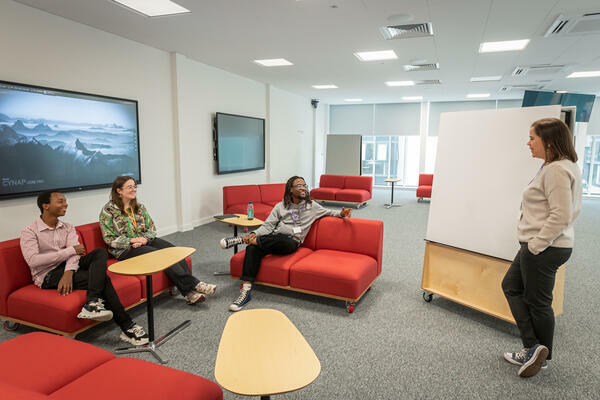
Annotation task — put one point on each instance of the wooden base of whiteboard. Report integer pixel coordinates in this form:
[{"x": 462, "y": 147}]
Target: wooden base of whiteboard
[{"x": 474, "y": 280}]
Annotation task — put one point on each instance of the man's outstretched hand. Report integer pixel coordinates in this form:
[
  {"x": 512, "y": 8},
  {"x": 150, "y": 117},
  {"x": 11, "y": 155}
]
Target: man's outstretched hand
[{"x": 346, "y": 212}]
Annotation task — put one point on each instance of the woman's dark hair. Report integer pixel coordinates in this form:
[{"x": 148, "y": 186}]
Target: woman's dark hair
[
  {"x": 557, "y": 139},
  {"x": 287, "y": 196},
  {"x": 116, "y": 197},
  {"x": 44, "y": 198}
]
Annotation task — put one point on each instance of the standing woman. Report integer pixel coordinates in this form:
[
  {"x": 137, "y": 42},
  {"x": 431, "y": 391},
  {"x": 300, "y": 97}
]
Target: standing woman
[
  {"x": 551, "y": 203},
  {"x": 129, "y": 231}
]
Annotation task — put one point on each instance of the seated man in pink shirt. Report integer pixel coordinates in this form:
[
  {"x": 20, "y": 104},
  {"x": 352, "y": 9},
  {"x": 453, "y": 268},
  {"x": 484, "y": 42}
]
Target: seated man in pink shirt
[{"x": 57, "y": 261}]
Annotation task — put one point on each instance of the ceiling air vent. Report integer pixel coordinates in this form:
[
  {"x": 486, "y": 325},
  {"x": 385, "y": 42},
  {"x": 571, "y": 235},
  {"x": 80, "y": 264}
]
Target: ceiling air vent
[
  {"x": 429, "y": 82},
  {"x": 406, "y": 31},
  {"x": 534, "y": 70},
  {"x": 507, "y": 88},
  {"x": 421, "y": 67},
  {"x": 578, "y": 25}
]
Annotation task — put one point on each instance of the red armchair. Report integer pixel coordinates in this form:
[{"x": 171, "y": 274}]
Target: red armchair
[
  {"x": 344, "y": 189},
  {"x": 425, "y": 186}
]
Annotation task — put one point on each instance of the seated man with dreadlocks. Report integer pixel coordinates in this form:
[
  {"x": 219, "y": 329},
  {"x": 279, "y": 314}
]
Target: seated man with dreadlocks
[{"x": 282, "y": 233}]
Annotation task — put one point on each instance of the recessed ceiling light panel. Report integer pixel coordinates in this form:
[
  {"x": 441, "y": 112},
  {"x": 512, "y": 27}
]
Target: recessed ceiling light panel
[
  {"x": 400, "y": 83},
  {"x": 353, "y": 100},
  {"x": 478, "y": 95},
  {"x": 153, "y": 8},
  {"x": 509, "y": 45},
  {"x": 325, "y": 86},
  {"x": 486, "y": 78},
  {"x": 376, "y": 55},
  {"x": 412, "y": 98},
  {"x": 585, "y": 74},
  {"x": 273, "y": 62}
]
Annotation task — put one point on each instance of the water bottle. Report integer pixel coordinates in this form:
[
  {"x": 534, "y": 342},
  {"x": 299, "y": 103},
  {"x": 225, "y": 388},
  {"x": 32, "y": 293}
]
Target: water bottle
[{"x": 250, "y": 210}]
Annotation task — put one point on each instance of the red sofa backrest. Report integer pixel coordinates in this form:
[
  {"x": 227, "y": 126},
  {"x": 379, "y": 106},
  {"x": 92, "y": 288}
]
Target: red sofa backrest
[
  {"x": 354, "y": 235},
  {"x": 240, "y": 194},
  {"x": 359, "y": 182},
  {"x": 425, "y": 179},
  {"x": 14, "y": 271},
  {"x": 91, "y": 235},
  {"x": 272, "y": 192},
  {"x": 334, "y": 181}
]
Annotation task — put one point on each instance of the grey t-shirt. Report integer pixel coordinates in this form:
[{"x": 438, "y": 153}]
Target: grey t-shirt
[{"x": 302, "y": 215}]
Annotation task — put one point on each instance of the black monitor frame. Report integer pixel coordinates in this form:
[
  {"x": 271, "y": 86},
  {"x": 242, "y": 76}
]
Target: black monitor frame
[{"x": 216, "y": 143}]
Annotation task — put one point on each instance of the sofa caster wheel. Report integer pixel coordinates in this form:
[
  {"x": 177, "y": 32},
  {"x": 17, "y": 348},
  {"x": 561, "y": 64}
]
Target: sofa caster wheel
[
  {"x": 10, "y": 326},
  {"x": 427, "y": 297},
  {"x": 350, "y": 308}
]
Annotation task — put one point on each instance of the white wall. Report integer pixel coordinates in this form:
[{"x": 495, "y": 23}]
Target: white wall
[
  {"x": 42, "y": 49},
  {"x": 291, "y": 136},
  {"x": 201, "y": 92},
  {"x": 321, "y": 125}
]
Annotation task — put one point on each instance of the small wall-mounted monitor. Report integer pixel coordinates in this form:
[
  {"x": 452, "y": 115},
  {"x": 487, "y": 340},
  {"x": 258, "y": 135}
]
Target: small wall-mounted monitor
[
  {"x": 62, "y": 140},
  {"x": 583, "y": 102},
  {"x": 239, "y": 143}
]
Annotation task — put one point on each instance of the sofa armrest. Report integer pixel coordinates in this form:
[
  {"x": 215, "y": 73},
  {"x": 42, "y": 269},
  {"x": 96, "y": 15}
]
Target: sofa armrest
[{"x": 14, "y": 271}]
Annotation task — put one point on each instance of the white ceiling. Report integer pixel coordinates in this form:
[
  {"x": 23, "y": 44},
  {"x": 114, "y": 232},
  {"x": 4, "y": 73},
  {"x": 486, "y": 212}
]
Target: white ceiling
[{"x": 320, "y": 36}]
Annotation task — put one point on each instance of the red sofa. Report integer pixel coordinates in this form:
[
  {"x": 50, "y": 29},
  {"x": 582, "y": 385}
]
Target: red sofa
[
  {"x": 43, "y": 366},
  {"x": 425, "y": 185},
  {"x": 22, "y": 302},
  {"x": 263, "y": 197},
  {"x": 344, "y": 189},
  {"x": 340, "y": 258}
]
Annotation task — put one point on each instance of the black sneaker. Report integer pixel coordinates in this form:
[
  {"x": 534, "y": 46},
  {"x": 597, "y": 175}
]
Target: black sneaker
[
  {"x": 228, "y": 242},
  {"x": 519, "y": 358},
  {"x": 533, "y": 361},
  {"x": 94, "y": 309},
  {"x": 241, "y": 301},
  {"x": 135, "y": 335}
]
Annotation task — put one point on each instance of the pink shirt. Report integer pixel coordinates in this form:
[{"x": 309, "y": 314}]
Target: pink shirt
[{"x": 44, "y": 248}]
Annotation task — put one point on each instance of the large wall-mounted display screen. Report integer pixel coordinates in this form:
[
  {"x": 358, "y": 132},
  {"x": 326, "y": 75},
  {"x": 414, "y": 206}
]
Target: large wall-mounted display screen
[
  {"x": 68, "y": 141},
  {"x": 240, "y": 143}
]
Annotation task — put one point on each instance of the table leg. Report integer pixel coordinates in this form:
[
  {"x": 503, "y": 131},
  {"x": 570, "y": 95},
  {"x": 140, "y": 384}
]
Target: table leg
[
  {"x": 235, "y": 250},
  {"x": 152, "y": 346},
  {"x": 392, "y": 200}
]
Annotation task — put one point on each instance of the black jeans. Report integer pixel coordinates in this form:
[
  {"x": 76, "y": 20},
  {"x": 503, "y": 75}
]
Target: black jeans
[
  {"x": 267, "y": 244},
  {"x": 178, "y": 273},
  {"x": 528, "y": 286},
  {"x": 91, "y": 276}
]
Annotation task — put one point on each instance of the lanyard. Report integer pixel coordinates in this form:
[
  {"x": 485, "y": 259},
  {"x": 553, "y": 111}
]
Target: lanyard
[
  {"x": 296, "y": 217},
  {"x": 132, "y": 218},
  {"x": 536, "y": 175}
]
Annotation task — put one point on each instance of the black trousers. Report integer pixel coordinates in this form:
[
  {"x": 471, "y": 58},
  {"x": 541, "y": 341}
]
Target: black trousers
[
  {"x": 91, "y": 276},
  {"x": 178, "y": 273},
  {"x": 528, "y": 286},
  {"x": 267, "y": 244}
]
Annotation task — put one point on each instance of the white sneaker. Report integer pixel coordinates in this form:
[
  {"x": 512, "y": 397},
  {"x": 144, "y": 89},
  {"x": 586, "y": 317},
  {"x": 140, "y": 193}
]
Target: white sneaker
[
  {"x": 231, "y": 241},
  {"x": 194, "y": 297},
  {"x": 94, "y": 309},
  {"x": 205, "y": 288},
  {"x": 135, "y": 335}
]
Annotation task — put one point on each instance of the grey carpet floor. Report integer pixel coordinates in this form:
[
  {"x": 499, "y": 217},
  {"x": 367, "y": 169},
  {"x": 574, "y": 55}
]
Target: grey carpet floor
[{"x": 395, "y": 345}]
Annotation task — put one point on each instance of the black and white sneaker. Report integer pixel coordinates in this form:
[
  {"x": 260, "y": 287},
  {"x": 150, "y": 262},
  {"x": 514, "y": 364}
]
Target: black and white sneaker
[
  {"x": 242, "y": 300},
  {"x": 535, "y": 358},
  {"x": 520, "y": 357},
  {"x": 94, "y": 309},
  {"x": 135, "y": 335},
  {"x": 228, "y": 242}
]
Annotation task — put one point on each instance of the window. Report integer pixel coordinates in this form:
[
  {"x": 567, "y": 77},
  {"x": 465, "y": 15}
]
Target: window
[
  {"x": 591, "y": 166},
  {"x": 397, "y": 157}
]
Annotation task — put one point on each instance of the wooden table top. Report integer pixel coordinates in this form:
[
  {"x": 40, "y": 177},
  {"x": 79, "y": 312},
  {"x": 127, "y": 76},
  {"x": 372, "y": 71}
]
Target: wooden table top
[
  {"x": 392, "y": 180},
  {"x": 151, "y": 263},
  {"x": 262, "y": 353},
  {"x": 242, "y": 220}
]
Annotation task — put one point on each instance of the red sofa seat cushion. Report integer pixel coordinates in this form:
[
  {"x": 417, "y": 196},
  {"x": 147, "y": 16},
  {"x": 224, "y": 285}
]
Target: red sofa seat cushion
[
  {"x": 271, "y": 193},
  {"x": 274, "y": 269},
  {"x": 241, "y": 194},
  {"x": 335, "y": 181},
  {"x": 333, "y": 272},
  {"x": 359, "y": 182},
  {"x": 47, "y": 308},
  {"x": 424, "y": 191},
  {"x": 14, "y": 271},
  {"x": 261, "y": 210},
  {"x": 128, "y": 378},
  {"x": 43, "y": 362},
  {"x": 324, "y": 193},
  {"x": 353, "y": 195},
  {"x": 15, "y": 393}
]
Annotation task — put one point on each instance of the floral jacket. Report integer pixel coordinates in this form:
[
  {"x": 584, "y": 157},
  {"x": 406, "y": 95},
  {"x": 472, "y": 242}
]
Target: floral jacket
[{"x": 118, "y": 228}]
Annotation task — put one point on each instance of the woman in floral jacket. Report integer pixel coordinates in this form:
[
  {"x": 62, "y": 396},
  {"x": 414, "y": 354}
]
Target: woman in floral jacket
[{"x": 129, "y": 231}]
